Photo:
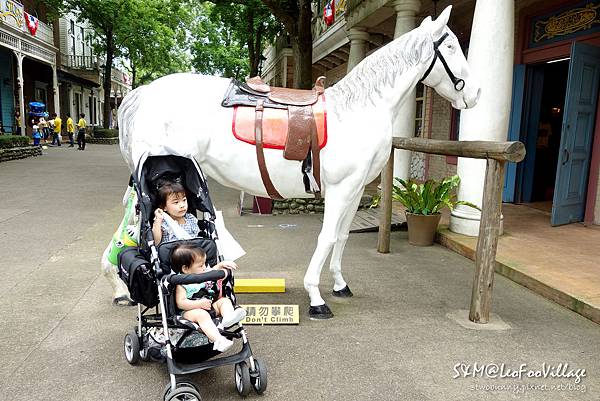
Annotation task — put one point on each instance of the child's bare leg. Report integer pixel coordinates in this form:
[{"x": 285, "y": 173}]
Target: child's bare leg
[
  {"x": 223, "y": 306},
  {"x": 231, "y": 316},
  {"x": 203, "y": 319}
]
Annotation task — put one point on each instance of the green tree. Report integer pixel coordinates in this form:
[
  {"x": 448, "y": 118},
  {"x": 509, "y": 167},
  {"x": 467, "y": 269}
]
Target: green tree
[
  {"x": 156, "y": 42},
  {"x": 216, "y": 49},
  {"x": 296, "y": 16},
  {"x": 131, "y": 28},
  {"x": 231, "y": 36}
]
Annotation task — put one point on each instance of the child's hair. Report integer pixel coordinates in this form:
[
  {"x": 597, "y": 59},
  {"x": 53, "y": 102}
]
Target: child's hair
[
  {"x": 166, "y": 188},
  {"x": 185, "y": 255}
]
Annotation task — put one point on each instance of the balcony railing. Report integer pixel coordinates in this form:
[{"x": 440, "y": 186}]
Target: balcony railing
[
  {"x": 319, "y": 27},
  {"x": 79, "y": 62},
  {"x": 13, "y": 14},
  {"x": 44, "y": 32}
]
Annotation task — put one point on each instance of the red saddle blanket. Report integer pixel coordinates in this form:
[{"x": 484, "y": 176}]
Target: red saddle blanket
[{"x": 275, "y": 125}]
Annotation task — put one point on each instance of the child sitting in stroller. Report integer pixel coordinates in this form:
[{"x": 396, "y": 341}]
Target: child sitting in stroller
[
  {"x": 197, "y": 299},
  {"x": 173, "y": 202}
]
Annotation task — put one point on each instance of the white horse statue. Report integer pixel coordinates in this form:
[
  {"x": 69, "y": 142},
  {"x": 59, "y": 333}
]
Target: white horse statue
[{"x": 183, "y": 113}]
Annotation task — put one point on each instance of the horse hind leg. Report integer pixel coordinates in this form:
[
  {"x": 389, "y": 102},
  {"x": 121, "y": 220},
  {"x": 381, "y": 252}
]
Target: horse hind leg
[{"x": 120, "y": 291}]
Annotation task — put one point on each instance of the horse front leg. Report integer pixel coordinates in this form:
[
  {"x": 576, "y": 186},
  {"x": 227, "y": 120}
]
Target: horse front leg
[
  {"x": 340, "y": 287},
  {"x": 337, "y": 203}
]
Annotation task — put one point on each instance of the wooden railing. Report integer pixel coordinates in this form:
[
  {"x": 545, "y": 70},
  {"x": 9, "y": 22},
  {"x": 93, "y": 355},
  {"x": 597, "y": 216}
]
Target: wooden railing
[
  {"x": 79, "y": 62},
  {"x": 496, "y": 155}
]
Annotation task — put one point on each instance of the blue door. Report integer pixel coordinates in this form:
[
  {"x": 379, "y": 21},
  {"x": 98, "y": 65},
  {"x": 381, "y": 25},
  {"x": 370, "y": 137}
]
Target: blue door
[
  {"x": 514, "y": 130},
  {"x": 577, "y": 133}
]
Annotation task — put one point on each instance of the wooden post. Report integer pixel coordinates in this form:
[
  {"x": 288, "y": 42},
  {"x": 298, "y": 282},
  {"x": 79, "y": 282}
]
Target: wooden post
[
  {"x": 489, "y": 227},
  {"x": 385, "y": 213}
]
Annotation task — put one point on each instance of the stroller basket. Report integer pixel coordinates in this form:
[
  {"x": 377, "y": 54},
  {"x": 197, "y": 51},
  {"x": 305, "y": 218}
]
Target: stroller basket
[{"x": 137, "y": 273}]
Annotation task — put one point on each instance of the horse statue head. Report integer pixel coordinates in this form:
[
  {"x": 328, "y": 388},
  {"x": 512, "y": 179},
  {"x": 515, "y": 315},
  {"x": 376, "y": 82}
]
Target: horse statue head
[
  {"x": 448, "y": 72},
  {"x": 430, "y": 54}
]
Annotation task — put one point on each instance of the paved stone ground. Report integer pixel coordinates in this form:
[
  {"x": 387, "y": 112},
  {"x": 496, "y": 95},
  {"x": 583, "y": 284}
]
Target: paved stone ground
[{"x": 61, "y": 338}]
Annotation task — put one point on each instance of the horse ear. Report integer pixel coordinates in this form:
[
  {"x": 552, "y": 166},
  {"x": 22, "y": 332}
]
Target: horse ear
[
  {"x": 426, "y": 21},
  {"x": 440, "y": 23}
]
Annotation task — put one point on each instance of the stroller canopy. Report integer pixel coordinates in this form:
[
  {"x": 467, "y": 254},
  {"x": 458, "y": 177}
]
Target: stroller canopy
[{"x": 152, "y": 168}]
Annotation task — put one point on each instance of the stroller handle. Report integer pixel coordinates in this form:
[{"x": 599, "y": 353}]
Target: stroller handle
[{"x": 214, "y": 275}]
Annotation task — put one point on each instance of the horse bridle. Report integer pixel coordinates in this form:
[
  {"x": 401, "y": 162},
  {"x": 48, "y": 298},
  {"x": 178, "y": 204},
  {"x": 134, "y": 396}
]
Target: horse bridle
[{"x": 459, "y": 84}]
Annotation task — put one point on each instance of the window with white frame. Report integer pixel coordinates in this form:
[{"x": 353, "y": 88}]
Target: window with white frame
[
  {"x": 82, "y": 39},
  {"x": 72, "y": 37}
]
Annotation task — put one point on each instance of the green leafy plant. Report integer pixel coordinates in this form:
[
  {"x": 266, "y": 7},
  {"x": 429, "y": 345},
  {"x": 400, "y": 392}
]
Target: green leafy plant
[
  {"x": 105, "y": 132},
  {"x": 13, "y": 141},
  {"x": 429, "y": 197}
]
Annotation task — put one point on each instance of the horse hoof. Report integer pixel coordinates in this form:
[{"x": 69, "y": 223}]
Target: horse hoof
[
  {"x": 123, "y": 301},
  {"x": 320, "y": 312},
  {"x": 343, "y": 293}
]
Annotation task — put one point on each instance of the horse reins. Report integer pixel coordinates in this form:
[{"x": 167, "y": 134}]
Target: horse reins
[{"x": 459, "y": 84}]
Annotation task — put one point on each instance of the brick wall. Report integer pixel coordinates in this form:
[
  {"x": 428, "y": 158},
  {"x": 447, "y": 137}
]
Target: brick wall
[{"x": 439, "y": 111}]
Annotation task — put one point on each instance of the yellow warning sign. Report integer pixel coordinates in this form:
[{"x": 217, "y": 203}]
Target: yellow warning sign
[{"x": 271, "y": 314}]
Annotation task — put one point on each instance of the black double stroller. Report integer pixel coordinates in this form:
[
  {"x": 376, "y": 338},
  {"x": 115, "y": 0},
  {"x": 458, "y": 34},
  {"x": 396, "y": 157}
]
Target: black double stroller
[{"x": 161, "y": 333}]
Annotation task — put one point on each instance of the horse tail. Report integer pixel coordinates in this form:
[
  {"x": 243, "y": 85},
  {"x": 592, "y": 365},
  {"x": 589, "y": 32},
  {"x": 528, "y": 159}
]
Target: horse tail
[{"x": 126, "y": 118}]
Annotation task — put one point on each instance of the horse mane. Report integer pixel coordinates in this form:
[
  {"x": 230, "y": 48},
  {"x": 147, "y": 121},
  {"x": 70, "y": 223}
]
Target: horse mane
[{"x": 380, "y": 69}]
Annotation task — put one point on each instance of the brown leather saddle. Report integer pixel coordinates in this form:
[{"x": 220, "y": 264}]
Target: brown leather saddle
[{"x": 302, "y": 141}]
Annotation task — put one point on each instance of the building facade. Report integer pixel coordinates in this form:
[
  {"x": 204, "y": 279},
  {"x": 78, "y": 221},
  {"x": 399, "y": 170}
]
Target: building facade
[
  {"x": 51, "y": 62},
  {"x": 81, "y": 73},
  {"x": 541, "y": 89},
  {"x": 28, "y": 64}
]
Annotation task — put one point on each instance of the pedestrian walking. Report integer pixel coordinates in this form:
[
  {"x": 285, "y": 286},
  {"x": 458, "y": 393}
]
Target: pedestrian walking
[
  {"x": 57, "y": 128},
  {"x": 81, "y": 124},
  {"x": 70, "y": 130},
  {"x": 43, "y": 126}
]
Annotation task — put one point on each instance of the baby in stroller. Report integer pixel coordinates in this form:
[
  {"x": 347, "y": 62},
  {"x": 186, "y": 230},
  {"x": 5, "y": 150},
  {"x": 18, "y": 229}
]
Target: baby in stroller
[{"x": 196, "y": 300}]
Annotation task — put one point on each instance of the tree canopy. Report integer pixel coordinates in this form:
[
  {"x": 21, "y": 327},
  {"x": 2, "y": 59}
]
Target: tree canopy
[
  {"x": 230, "y": 37},
  {"x": 147, "y": 32}
]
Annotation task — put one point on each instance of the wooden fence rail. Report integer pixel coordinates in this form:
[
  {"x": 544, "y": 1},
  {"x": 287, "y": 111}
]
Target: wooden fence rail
[{"x": 496, "y": 155}]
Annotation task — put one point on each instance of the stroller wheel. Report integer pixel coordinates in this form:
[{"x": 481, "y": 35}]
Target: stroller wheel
[
  {"x": 258, "y": 378},
  {"x": 183, "y": 394},
  {"x": 242, "y": 379},
  {"x": 180, "y": 384},
  {"x": 131, "y": 347}
]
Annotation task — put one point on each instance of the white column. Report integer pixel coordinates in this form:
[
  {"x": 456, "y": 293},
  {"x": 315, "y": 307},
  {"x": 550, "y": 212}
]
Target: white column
[
  {"x": 490, "y": 57},
  {"x": 55, "y": 90},
  {"x": 20, "y": 84},
  {"x": 404, "y": 121},
  {"x": 284, "y": 70},
  {"x": 359, "y": 40}
]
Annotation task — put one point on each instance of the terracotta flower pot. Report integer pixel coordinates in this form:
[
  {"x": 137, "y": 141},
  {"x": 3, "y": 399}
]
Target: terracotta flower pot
[{"x": 422, "y": 228}]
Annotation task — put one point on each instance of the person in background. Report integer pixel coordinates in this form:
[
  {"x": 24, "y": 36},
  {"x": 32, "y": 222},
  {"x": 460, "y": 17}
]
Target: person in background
[
  {"x": 43, "y": 126},
  {"x": 57, "y": 129},
  {"x": 81, "y": 124},
  {"x": 37, "y": 136},
  {"x": 2, "y": 131},
  {"x": 18, "y": 122},
  {"x": 70, "y": 130}
]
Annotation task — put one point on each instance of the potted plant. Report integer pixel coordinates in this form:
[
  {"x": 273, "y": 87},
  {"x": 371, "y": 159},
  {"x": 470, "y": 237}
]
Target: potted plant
[{"x": 424, "y": 202}]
